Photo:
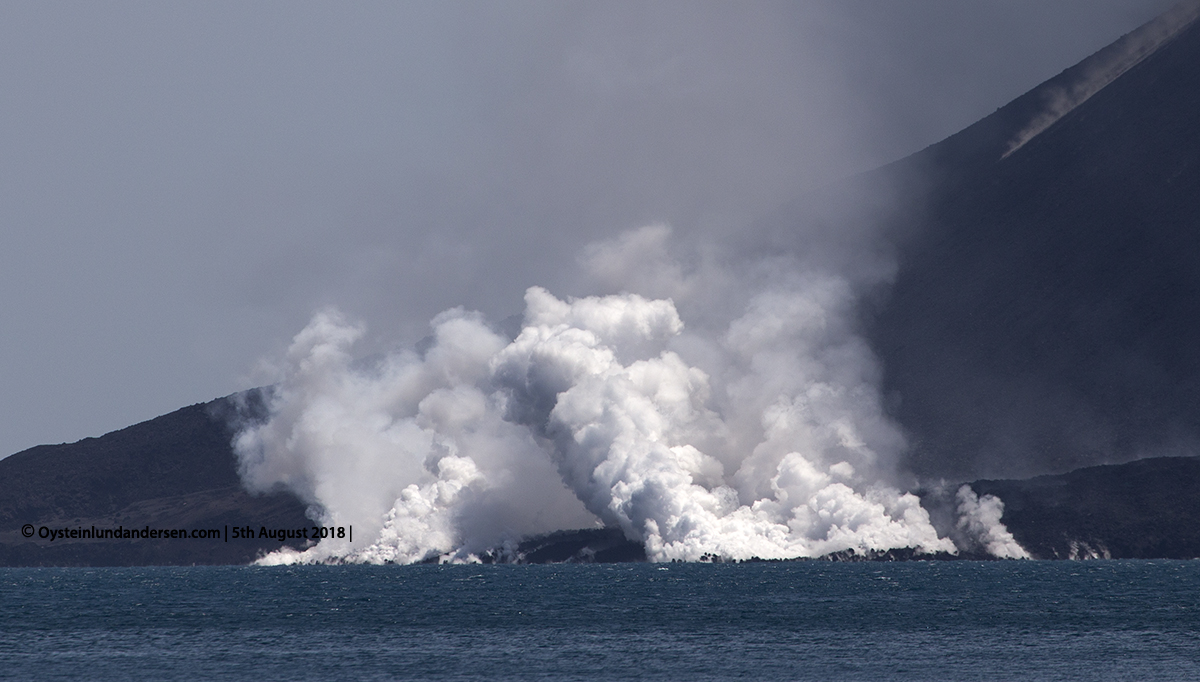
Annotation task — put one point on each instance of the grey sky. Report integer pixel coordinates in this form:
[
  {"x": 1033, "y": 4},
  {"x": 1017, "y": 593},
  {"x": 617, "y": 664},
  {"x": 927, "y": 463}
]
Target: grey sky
[{"x": 182, "y": 184}]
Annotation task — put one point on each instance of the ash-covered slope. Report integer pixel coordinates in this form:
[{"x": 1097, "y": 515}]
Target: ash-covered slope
[
  {"x": 177, "y": 471},
  {"x": 1046, "y": 311},
  {"x": 1148, "y": 509}
]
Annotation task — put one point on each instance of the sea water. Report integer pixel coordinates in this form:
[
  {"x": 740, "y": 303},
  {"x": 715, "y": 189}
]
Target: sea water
[{"x": 1103, "y": 620}]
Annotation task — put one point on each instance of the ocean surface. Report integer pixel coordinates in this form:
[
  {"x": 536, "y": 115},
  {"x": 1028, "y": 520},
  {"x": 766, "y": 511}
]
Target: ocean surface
[{"x": 1100, "y": 620}]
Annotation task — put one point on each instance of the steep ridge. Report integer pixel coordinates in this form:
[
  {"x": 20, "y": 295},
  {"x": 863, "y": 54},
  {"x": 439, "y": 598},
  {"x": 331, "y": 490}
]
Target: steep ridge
[{"x": 1046, "y": 310}]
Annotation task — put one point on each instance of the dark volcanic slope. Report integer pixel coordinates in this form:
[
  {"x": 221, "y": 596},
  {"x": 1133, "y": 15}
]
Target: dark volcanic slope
[
  {"x": 1046, "y": 314},
  {"x": 176, "y": 471},
  {"x": 1141, "y": 510}
]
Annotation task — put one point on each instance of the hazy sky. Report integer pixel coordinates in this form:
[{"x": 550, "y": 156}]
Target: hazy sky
[{"x": 183, "y": 184}]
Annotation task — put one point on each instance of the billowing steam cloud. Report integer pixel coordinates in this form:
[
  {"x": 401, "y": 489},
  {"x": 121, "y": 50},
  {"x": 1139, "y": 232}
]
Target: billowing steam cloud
[
  {"x": 757, "y": 434},
  {"x": 979, "y": 520}
]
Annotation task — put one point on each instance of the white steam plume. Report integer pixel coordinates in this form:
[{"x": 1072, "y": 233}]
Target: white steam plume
[
  {"x": 979, "y": 519},
  {"x": 757, "y": 434},
  {"x": 414, "y": 453}
]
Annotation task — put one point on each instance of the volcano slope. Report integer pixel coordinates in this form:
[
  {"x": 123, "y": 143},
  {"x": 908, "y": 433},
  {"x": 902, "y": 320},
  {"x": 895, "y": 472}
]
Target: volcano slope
[
  {"x": 1046, "y": 310},
  {"x": 177, "y": 471},
  {"x": 1147, "y": 509}
]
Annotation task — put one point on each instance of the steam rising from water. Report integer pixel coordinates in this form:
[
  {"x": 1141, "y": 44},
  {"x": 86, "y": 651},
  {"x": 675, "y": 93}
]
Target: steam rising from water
[
  {"x": 980, "y": 521},
  {"x": 757, "y": 434}
]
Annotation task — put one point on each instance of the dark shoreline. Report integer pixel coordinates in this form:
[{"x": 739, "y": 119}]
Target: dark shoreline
[{"x": 178, "y": 471}]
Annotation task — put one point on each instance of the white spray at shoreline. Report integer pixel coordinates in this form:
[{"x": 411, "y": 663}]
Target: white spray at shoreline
[{"x": 762, "y": 436}]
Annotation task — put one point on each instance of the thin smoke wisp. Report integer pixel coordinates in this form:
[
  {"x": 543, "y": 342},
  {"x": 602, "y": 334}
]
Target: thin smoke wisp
[{"x": 1105, "y": 68}]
